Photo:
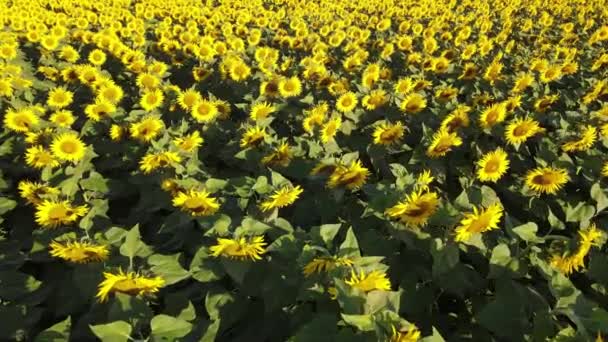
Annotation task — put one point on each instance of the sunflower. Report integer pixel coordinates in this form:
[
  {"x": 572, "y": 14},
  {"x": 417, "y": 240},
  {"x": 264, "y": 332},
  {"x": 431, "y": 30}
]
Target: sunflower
[
  {"x": 62, "y": 118},
  {"x": 35, "y": 193},
  {"x": 366, "y": 282},
  {"x": 52, "y": 214},
  {"x": 571, "y": 262},
  {"x": 442, "y": 143},
  {"x": 79, "y": 252},
  {"x": 424, "y": 180},
  {"x": 22, "y": 120},
  {"x": 241, "y": 249},
  {"x": 387, "y": 133},
  {"x": 153, "y": 161},
  {"x": 146, "y": 129},
  {"x": 290, "y": 87},
  {"x": 459, "y": 117},
  {"x": 479, "y": 221},
  {"x": 492, "y": 166},
  {"x": 522, "y": 82},
  {"x": 68, "y": 147},
  {"x": 605, "y": 169},
  {"x": 196, "y": 203},
  {"x": 352, "y": 176},
  {"x": 116, "y": 132},
  {"x": 253, "y": 137},
  {"x": 347, "y": 102},
  {"x": 261, "y": 110},
  {"x": 330, "y": 128},
  {"x": 585, "y": 142},
  {"x": 325, "y": 264},
  {"x": 111, "y": 92},
  {"x": 187, "y": 99},
  {"x": 551, "y": 74},
  {"x": 547, "y": 180},
  {"x": 97, "y": 57},
  {"x": 404, "y": 86},
  {"x": 281, "y": 198},
  {"x": 59, "y": 98},
  {"x": 413, "y": 103},
  {"x": 493, "y": 115},
  {"x": 147, "y": 81},
  {"x": 541, "y": 105},
  {"x": 239, "y": 71},
  {"x": 129, "y": 283},
  {"x": 204, "y": 111},
  {"x": 519, "y": 130},
  {"x": 416, "y": 209},
  {"x": 152, "y": 100},
  {"x": 280, "y": 156},
  {"x": 189, "y": 142},
  {"x": 100, "y": 109},
  {"x": 38, "y": 157}
]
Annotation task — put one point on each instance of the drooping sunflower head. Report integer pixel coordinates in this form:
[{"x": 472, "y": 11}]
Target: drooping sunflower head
[
  {"x": 189, "y": 142},
  {"x": 442, "y": 143},
  {"x": 493, "y": 115},
  {"x": 147, "y": 128},
  {"x": 79, "y": 252},
  {"x": 52, "y": 213},
  {"x": 22, "y": 120},
  {"x": 479, "y": 221},
  {"x": 35, "y": 193},
  {"x": 330, "y": 129},
  {"x": 130, "y": 283},
  {"x": 352, "y": 176},
  {"x": 366, "y": 282},
  {"x": 547, "y": 180},
  {"x": 409, "y": 334},
  {"x": 585, "y": 142},
  {"x": 38, "y": 157},
  {"x": 387, "y": 133},
  {"x": 413, "y": 103},
  {"x": 416, "y": 209},
  {"x": 196, "y": 203},
  {"x": 243, "y": 248},
  {"x": 282, "y": 197},
  {"x": 325, "y": 264},
  {"x": 253, "y": 136}
]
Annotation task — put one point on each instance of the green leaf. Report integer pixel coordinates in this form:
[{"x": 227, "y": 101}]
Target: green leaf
[
  {"x": 14, "y": 285},
  {"x": 129, "y": 308},
  {"x": 581, "y": 213},
  {"x": 555, "y": 222},
  {"x": 57, "y": 333},
  {"x": 382, "y": 300},
  {"x": 527, "y": 232},
  {"x": 250, "y": 226},
  {"x": 168, "y": 328},
  {"x": 445, "y": 257},
  {"x": 168, "y": 267},
  {"x": 99, "y": 208},
  {"x": 118, "y": 331},
  {"x": 95, "y": 182},
  {"x": 214, "y": 184},
  {"x": 361, "y": 322},
  {"x": 599, "y": 196},
  {"x": 133, "y": 246},
  {"x": 203, "y": 268},
  {"x": 350, "y": 246},
  {"x": 215, "y": 300},
  {"x": 6, "y": 205},
  {"x": 328, "y": 233}
]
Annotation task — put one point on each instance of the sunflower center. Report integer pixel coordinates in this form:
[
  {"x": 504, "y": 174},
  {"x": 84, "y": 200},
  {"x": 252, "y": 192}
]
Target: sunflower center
[
  {"x": 492, "y": 166},
  {"x": 69, "y": 147},
  {"x": 58, "y": 213},
  {"x": 544, "y": 179},
  {"x": 520, "y": 131}
]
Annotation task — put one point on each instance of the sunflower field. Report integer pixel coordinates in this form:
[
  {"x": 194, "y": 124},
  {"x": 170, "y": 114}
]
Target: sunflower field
[{"x": 293, "y": 170}]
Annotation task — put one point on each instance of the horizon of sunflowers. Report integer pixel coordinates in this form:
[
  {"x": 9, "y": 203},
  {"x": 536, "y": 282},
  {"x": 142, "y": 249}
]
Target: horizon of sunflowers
[{"x": 288, "y": 170}]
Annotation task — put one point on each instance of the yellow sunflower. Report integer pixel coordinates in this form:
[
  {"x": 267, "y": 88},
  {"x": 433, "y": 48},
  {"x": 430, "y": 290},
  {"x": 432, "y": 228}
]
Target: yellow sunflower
[
  {"x": 352, "y": 176},
  {"x": 189, "y": 142},
  {"x": 325, "y": 264},
  {"x": 22, "y": 120},
  {"x": 79, "y": 252},
  {"x": 253, "y": 137},
  {"x": 68, "y": 147},
  {"x": 282, "y": 197},
  {"x": 204, "y": 111},
  {"x": 152, "y": 100},
  {"x": 35, "y": 193},
  {"x": 416, "y": 209},
  {"x": 129, "y": 283},
  {"x": 63, "y": 118},
  {"x": 153, "y": 161},
  {"x": 261, "y": 110},
  {"x": 280, "y": 156},
  {"x": 366, "y": 282},
  {"x": 442, "y": 143},
  {"x": 59, "y": 98},
  {"x": 413, "y": 103},
  {"x": 409, "y": 334},
  {"x": 146, "y": 129},
  {"x": 387, "y": 133},
  {"x": 347, "y": 102},
  {"x": 492, "y": 166},
  {"x": 38, "y": 157},
  {"x": 479, "y": 221},
  {"x": 240, "y": 248},
  {"x": 290, "y": 87},
  {"x": 459, "y": 117},
  {"x": 585, "y": 142},
  {"x": 196, "y": 203},
  {"x": 493, "y": 115},
  {"x": 330, "y": 128},
  {"x": 52, "y": 214},
  {"x": 519, "y": 130},
  {"x": 547, "y": 180}
]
